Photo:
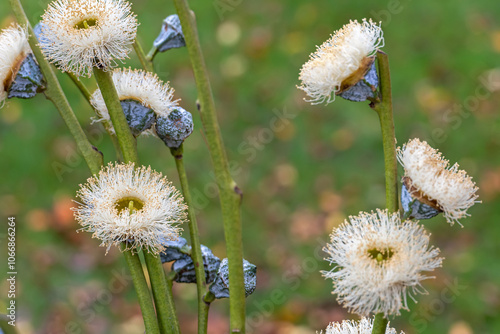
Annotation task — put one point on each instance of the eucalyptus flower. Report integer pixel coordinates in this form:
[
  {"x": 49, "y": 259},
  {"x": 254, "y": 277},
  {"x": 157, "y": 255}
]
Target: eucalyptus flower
[
  {"x": 429, "y": 179},
  {"x": 379, "y": 262},
  {"x": 363, "y": 326},
  {"x": 80, "y": 34},
  {"x": 135, "y": 206},
  {"x": 143, "y": 97},
  {"x": 342, "y": 61}
]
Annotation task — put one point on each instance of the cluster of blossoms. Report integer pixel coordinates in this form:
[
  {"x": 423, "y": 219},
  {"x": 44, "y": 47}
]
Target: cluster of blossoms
[
  {"x": 380, "y": 259},
  {"x": 123, "y": 204}
]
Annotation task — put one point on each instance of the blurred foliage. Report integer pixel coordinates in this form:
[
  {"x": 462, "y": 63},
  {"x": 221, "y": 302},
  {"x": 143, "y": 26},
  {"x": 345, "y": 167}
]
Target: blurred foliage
[{"x": 301, "y": 175}]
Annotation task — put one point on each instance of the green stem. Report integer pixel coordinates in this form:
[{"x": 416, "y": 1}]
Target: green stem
[
  {"x": 229, "y": 193},
  {"x": 152, "y": 53},
  {"x": 127, "y": 142},
  {"x": 85, "y": 92},
  {"x": 163, "y": 299},
  {"x": 379, "y": 324},
  {"x": 207, "y": 301},
  {"x": 162, "y": 295},
  {"x": 106, "y": 124},
  {"x": 145, "y": 62},
  {"x": 384, "y": 110},
  {"x": 54, "y": 93},
  {"x": 195, "y": 240},
  {"x": 143, "y": 293}
]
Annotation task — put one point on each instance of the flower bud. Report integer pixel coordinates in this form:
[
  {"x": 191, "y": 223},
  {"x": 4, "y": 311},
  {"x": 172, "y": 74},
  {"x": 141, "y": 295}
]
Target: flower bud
[
  {"x": 174, "y": 128},
  {"x": 171, "y": 35},
  {"x": 139, "y": 117},
  {"x": 220, "y": 287},
  {"x": 174, "y": 250},
  {"x": 184, "y": 267}
]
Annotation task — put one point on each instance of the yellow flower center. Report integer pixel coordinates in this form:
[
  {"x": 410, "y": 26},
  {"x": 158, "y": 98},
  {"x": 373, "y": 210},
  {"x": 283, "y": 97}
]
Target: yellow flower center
[
  {"x": 131, "y": 204},
  {"x": 85, "y": 24},
  {"x": 381, "y": 255}
]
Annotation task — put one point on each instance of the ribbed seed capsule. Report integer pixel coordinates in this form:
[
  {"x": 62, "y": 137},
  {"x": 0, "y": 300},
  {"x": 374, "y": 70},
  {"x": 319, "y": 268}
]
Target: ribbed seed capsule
[
  {"x": 174, "y": 128},
  {"x": 220, "y": 287}
]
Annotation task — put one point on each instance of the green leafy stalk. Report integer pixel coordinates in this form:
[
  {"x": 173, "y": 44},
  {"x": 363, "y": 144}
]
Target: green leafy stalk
[
  {"x": 127, "y": 142},
  {"x": 229, "y": 193},
  {"x": 142, "y": 290},
  {"x": 54, "y": 93},
  {"x": 145, "y": 61},
  {"x": 384, "y": 109},
  {"x": 195, "y": 241},
  {"x": 164, "y": 300}
]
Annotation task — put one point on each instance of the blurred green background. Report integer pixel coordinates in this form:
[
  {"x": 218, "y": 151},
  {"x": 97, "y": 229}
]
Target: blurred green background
[{"x": 303, "y": 168}]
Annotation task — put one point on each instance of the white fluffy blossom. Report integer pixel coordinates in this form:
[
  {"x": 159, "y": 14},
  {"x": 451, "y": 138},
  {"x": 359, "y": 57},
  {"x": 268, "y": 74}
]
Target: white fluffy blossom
[
  {"x": 432, "y": 178},
  {"x": 363, "y": 326},
  {"x": 340, "y": 60},
  {"x": 81, "y": 34},
  {"x": 137, "y": 206},
  {"x": 379, "y": 261},
  {"x": 144, "y": 87},
  {"x": 14, "y": 48}
]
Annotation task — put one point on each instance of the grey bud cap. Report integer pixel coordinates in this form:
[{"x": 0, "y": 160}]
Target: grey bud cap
[
  {"x": 174, "y": 250},
  {"x": 184, "y": 267},
  {"x": 220, "y": 287},
  {"x": 413, "y": 208},
  {"x": 174, "y": 128},
  {"x": 171, "y": 35},
  {"x": 139, "y": 117},
  {"x": 365, "y": 88},
  {"x": 28, "y": 80}
]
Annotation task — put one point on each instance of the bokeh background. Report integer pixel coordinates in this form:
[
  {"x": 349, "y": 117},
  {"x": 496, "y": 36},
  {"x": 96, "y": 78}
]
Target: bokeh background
[{"x": 303, "y": 168}]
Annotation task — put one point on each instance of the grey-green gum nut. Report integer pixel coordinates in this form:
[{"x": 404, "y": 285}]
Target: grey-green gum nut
[
  {"x": 139, "y": 117},
  {"x": 171, "y": 35},
  {"x": 174, "y": 128},
  {"x": 184, "y": 267},
  {"x": 220, "y": 287},
  {"x": 365, "y": 88},
  {"x": 28, "y": 80},
  {"x": 412, "y": 208}
]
